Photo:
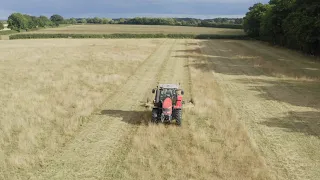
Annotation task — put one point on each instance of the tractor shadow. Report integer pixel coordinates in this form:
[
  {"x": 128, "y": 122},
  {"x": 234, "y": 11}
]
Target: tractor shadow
[
  {"x": 130, "y": 117},
  {"x": 136, "y": 118}
]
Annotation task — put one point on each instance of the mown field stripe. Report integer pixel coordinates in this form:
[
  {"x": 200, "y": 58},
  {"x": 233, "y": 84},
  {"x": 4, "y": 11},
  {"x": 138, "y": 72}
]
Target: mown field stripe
[
  {"x": 115, "y": 163},
  {"x": 84, "y": 157}
]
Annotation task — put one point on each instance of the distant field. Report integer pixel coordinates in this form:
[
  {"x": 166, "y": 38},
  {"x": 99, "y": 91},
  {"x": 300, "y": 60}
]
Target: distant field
[{"x": 138, "y": 29}]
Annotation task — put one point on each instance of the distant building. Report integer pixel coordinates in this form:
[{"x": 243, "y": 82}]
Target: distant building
[{"x": 5, "y": 27}]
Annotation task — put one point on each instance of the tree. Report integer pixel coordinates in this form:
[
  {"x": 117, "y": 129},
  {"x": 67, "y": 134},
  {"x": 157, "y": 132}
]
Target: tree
[
  {"x": 56, "y": 19},
  {"x": 302, "y": 27},
  {"x": 43, "y": 21},
  {"x": 17, "y": 21},
  {"x": 280, "y": 9},
  {"x": 1, "y": 26},
  {"x": 192, "y": 22},
  {"x": 83, "y": 21},
  {"x": 73, "y": 21},
  {"x": 89, "y": 20},
  {"x": 122, "y": 21},
  {"x": 97, "y": 20},
  {"x": 32, "y": 21},
  {"x": 105, "y": 20},
  {"x": 266, "y": 30},
  {"x": 238, "y": 21},
  {"x": 253, "y": 19},
  {"x": 171, "y": 21},
  {"x": 291, "y": 23}
]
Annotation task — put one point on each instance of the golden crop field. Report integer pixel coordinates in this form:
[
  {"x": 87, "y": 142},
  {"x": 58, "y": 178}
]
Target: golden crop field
[
  {"x": 138, "y": 29},
  {"x": 76, "y": 109}
]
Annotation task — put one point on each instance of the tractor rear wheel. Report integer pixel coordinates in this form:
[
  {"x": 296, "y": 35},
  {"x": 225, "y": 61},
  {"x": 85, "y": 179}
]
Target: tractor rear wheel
[
  {"x": 178, "y": 114},
  {"x": 154, "y": 116}
]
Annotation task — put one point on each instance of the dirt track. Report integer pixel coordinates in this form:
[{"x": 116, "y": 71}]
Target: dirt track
[{"x": 254, "y": 115}]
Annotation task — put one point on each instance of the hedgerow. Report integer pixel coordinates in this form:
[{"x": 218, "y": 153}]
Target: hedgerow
[
  {"x": 117, "y": 36},
  {"x": 8, "y": 32}
]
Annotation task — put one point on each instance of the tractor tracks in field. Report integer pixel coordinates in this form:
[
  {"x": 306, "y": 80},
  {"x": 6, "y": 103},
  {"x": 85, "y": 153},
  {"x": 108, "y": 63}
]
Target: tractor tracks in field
[
  {"x": 88, "y": 153},
  {"x": 274, "y": 144},
  {"x": 252, "y": 114},
  {"x": 115, "y": 164},
  {"x": 174, "y": 70}
]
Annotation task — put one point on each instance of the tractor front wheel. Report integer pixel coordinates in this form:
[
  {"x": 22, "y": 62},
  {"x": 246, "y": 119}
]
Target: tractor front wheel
[{"x": 178, "y": 114}]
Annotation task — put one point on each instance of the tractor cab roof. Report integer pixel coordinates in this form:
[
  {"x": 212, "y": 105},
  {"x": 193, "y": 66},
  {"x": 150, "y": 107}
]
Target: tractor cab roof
[{"x": 169, "y": 86}]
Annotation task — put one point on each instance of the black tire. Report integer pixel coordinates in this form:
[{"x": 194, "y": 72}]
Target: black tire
[
  {"x": 178, "y": 114},
  {"x": 154, "y": 116}
]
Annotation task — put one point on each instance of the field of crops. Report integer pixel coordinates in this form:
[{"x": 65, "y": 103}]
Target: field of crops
[
  {"x": 74, "y": 109},
  {"x": 138, "y": 29}
]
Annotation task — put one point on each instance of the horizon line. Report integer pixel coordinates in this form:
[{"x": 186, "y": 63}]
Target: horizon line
[{"x": 134, "y": 15}]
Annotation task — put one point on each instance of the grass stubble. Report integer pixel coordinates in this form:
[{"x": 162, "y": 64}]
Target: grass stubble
[{"x": 48, "y": 87}]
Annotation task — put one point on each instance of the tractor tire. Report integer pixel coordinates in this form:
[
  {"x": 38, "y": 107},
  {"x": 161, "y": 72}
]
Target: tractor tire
[
  {"x": 178, "y": 114},
  {"x": 154, "y": 116}
]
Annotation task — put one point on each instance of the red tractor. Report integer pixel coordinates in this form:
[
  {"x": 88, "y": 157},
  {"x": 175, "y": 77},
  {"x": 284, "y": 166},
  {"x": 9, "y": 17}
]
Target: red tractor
[{"x": 167, "y": 104}]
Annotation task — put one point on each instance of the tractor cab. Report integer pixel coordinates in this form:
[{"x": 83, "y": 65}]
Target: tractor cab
[
  {"x": 164, "y": 91},
  {"x": 168, "y": 93}
]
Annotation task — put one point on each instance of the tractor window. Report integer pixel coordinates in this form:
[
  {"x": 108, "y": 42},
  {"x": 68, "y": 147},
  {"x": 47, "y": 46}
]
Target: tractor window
[{"x": 167, "y": 93}]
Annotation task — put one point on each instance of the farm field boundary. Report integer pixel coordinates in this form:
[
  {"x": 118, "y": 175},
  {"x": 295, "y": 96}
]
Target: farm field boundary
[{"x": 116, "y": 36}]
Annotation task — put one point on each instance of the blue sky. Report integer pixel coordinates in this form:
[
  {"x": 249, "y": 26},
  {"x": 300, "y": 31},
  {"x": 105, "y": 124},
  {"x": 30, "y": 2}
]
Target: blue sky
[{"x": 129, "y": 8}]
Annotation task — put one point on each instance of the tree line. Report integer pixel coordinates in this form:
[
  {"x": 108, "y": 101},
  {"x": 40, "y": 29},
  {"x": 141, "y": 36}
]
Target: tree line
[
  {"x": 1, "y": 25},
  {"x": 291, "y": 23},
  {"x": 18, "y": 21},
  {"x": 235, "y": 23}
]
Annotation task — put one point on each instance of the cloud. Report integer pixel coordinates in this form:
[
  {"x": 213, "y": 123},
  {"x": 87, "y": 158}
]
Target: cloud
[
  {"x": 5, "y": 13},
  {"x": 123, "y": 8},
  {"x": 128, "y": 15}
]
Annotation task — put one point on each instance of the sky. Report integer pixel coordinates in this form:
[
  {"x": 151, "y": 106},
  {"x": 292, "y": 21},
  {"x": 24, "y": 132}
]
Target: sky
[{"x": 129, "y": 8}]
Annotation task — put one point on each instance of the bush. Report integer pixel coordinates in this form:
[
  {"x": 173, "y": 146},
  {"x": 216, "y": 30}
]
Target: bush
[
  {"x": 216, "y": 25},
  {"x": 116, "y": 36},
  {"x": 8, "y": 32},
  {"x": 181, "y": 36},
  {"x": 1, "y": 26},
  {"x": 217, "y": 36}
]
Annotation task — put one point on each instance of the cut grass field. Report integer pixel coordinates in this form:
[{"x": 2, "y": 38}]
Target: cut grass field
[
  {"x": 72, "y": 109},
  {"x": 48, "y": 88},
  {"x": 138, "y": 29}
]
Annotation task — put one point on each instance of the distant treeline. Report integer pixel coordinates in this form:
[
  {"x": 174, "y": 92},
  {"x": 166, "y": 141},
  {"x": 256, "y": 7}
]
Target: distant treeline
[
  {"x": 18, "y": 21},
  {"x": 235, "y": 23},
  {"x": 1, "y": 25},
  {"x": 293, "y": 24}
]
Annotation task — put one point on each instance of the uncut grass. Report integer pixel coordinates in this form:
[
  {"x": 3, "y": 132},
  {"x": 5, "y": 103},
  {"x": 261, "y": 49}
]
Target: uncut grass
[
  {"x": 211, "y": 144},
  {"x": 139, "y": 29},
  {"x": 48, "y": 87}
]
